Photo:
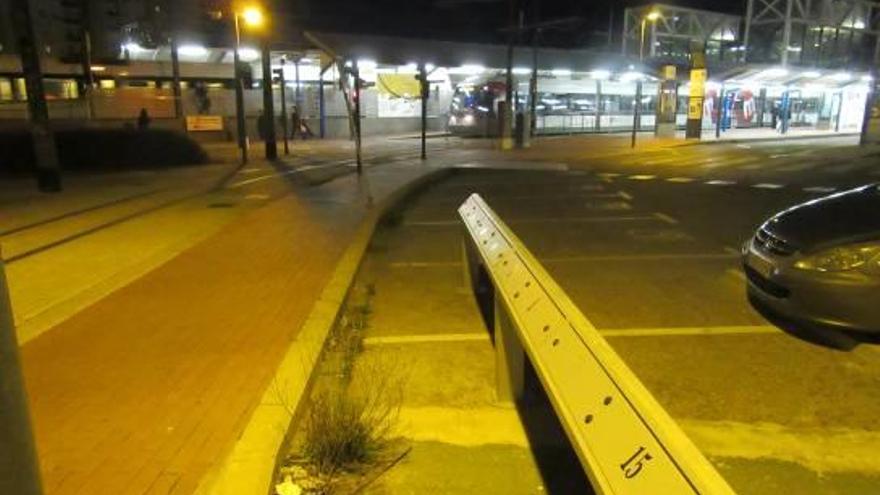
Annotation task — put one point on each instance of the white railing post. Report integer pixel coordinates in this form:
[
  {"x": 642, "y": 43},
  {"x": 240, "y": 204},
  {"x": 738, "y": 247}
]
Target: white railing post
[{"x": 509, "y": 357}]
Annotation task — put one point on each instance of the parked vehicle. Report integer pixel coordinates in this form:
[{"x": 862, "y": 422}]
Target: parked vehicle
[{"x": 818, "y": 263}]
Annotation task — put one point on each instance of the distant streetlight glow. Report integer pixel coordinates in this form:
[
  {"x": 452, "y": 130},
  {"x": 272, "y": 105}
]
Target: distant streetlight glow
[
  {"x": 252, "y": 16},
  {"x": 521, "y": 71},
  {"x": 653, "y": 15},
  {"x": 561, "y": 72},
  {"x": 600, "y": 74}
]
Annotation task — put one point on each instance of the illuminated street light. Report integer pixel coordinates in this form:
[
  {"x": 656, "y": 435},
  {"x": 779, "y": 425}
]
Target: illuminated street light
[
  {"x": 252, "y": 16},
  {"x": 652, "y": 16}
]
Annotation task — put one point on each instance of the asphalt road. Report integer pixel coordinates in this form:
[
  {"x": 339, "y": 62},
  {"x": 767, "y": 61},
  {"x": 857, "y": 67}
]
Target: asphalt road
[{"x": 648, "y": 249}]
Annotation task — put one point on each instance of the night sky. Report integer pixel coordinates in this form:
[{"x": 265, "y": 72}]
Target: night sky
[{"x": 477, "y": 20}]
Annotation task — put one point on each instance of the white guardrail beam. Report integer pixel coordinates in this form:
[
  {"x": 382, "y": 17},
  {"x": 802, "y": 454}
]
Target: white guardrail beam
[{"x": 626, "y": 442}]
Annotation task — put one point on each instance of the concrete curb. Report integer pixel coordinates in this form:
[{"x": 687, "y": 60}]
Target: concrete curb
[{"x": 249, "y": 468}]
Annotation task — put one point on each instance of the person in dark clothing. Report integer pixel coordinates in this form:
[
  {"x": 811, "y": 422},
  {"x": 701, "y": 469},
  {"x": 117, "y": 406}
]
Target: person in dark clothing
[
  {"x": 143, "y": 121},
  {"x": 262, "y": 126}
]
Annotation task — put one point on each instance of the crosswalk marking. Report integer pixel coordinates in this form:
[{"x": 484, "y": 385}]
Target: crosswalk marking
[
  {"x": 720, "y": 182},
  {"x": 767, "y": 185},
  {"x": 642, "y": 177},
  {"x": 680, "y": 180}
]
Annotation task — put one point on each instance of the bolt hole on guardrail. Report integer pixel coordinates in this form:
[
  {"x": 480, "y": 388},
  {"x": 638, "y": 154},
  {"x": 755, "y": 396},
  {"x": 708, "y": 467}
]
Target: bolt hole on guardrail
[{"x": 637, "y": 448}]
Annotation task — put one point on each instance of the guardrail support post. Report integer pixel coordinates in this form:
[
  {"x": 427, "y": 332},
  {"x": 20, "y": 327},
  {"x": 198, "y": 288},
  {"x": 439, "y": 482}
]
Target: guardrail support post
[
  {"x": 19, "y": 471},
  {"x": 509, "y": 357}
]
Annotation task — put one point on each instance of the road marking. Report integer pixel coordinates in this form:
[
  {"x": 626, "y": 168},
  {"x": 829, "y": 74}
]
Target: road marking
[
  {"x": 732, "y": 251},
  {"x": 260, "y": 179},
  {"x": 680, "y": 180},
  {"x": 640, "y": 257},
  {"x": 427, "y": 338},
  {"x": 257, "y": 196},
  {"x": 820, "y": 189},
  {"x": 683, "y": 331},
  {"x": 720, "y": 182},
  {"x": 737, "y": 274},
  {"x": 768, "y": 185},
  {"x": 425, "y": 264},
  {"x": 625, "y": 195},
  {"x": 820, "y": 449},
  {"x": 666, "y": 218},
  {"x": 642, "y": 177},
  {"x": 634, "y": 218}
]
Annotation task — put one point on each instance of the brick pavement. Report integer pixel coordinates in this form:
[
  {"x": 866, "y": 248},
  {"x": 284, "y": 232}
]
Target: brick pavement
[{"x": 147, "y": 389}]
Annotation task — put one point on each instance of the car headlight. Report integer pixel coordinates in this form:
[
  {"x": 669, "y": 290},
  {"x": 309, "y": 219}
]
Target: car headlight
[{"x": 841, "y": 259}]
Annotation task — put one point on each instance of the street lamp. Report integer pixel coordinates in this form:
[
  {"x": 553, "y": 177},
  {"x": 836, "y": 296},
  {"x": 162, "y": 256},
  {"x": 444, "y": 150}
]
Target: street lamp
[
  {"x": 651, "y": 16},
  {"x": 252, "y": 17}
]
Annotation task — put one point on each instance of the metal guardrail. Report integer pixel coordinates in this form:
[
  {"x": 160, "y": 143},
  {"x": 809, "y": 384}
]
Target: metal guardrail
[{"x": 626, "y": 442}]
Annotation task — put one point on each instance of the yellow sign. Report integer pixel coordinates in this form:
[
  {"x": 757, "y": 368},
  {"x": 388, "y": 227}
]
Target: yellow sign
[
  {"x": 204, "y": 123},
  {"x": 695, "y": 107},
  {"x": 698, "y": 83},
  {"x": 668, "y": 73}
]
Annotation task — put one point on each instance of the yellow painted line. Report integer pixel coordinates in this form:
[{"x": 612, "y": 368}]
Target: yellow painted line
[
  {"x": 684, "y": 331},
  {"x": 428, "y": 338},
  {"x": 642, "y": 177}
]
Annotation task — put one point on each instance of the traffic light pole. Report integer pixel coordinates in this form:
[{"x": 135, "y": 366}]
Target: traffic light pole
[
  {"x": 48, "y": 175},
  {"x": 284, "y": 118},
  {"x": 19, "y": 469}
]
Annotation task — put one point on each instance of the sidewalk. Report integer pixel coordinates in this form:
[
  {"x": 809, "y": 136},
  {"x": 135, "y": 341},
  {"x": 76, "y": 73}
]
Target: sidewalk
[{"x": 146, "y": 390}]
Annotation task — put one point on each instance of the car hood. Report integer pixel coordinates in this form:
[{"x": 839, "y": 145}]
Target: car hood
[{"x": 846, "y": 217}]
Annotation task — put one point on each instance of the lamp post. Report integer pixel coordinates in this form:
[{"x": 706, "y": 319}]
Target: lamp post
[
  {"x": 251, "y": 16},
  {"x": 637, "y": 107}
]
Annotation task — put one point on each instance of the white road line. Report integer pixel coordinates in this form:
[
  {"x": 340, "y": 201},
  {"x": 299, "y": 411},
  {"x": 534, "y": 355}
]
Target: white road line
[
  {"x": 720, "y": 182},
  {"x": 642, "y": 177},
  {"x": 820, "y": 189},
  {"x": 683, "y": 331},
  {"x": 625, "y": 195},
  {"x": 260, "y": 179},
  {"x": 640, "y": 257},
  {"x": 427, "y": 338},
  {"x": 666, "y": 218},
  {"x": 680, "y": 180},
  {"x": 768, "y": 185},
  {"x": 513, "y": 221}
]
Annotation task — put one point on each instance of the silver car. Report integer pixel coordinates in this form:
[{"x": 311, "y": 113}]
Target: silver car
[{"x": 818, "y": 263}]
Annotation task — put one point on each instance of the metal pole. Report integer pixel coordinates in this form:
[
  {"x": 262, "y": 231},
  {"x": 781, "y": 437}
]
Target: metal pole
[
  {"x": 284, "y": 119},
  {"x": 48, "y": 175},
  {"x": 719, "y": 112},
  {"x": 642, "y": 42},
  {"x": 175, "y": 64},
  {"x": 86, "y": 57},
  {"x": 425, "y": 91},
  {"x": 19, "y": 469},
  {"x": 506, "y": 142},
  {"x": 357, "y": 116},
  {"x": 239, "y": 96},
  {"x": 321, "y": 109},
  {"x": 270, "y": 143},
  {"x": 870, "y": 98},
  {"x": 533, "y": 86},
  {"x": 636, "y": 112}
]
